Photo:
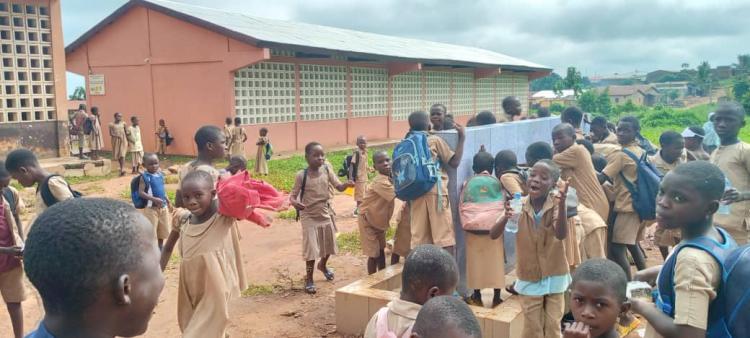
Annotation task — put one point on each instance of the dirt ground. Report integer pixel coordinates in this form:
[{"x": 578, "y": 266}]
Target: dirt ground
[{"x": 273, "y": 263}]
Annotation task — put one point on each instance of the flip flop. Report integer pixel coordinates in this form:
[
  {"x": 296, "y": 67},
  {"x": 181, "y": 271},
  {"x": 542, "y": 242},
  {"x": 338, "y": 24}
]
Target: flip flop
[
  {"x": 328, "y": 274},
  {"x": 310, "y": 289},
  {"x": 511, "y": 289}
]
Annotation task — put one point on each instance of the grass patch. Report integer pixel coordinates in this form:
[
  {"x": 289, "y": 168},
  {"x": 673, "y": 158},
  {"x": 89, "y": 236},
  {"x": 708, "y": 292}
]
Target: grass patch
[
  {"x": 350, "y": 241},
  {"x": 290, "y": 214},
  {"x": 259, "y": 290},
  {"x": 125, "y": 194},
  {"x": 87, "y": 179}
]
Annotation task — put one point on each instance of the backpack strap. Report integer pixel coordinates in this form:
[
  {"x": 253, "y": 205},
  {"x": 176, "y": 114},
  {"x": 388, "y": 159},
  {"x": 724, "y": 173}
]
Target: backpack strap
[
  {"x": 8, "y": 195},
  {"x": 665, "y": 296},
  {"x": 302, "y": 189},
  {"x": 630, "y": 185}
]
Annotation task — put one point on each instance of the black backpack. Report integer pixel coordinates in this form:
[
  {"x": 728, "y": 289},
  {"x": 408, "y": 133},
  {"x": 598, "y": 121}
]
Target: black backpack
[
  {"x": 88, "y": 126},
  {"x": 348, "y": 162},
  {"x": 11, "y": 198},
  {"x": 48, "y": 198}
]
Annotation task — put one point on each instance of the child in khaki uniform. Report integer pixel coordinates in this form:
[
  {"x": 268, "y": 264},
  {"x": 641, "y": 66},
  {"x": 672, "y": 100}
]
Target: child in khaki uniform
[
  {"x": 627, "y": 225},
  {"x": 507, "y": 171},
  {"x": 600, "y": 133},
  {"x": 375, "y": 213},
  {"x": 733, "y": 157},
  {"x": 208, "y": 274},
  {"x": 311, "y": 196},
  {"x": 431, "y": 220},
  {"x": 358, "y": 171},
  {"x": 11, "y": 270},
  {"x": 671, "y": 155},
  {"x": 402, "y": 238},
  {"x": 428, "y": 272},
  {"x": 542, "y": 266},
  {"x": 151, "y": 189},
  {"x": 239, "y": 137},
  {"x": 688, "y": 198},
  {"x": 118, "y": 131},
  {"x": 24, "y": 168},
  {"x": 261, "y": 164}
]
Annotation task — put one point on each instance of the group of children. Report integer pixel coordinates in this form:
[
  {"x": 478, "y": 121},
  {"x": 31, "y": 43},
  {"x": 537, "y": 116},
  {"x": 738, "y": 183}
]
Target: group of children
[
  {"x": 127, "y": 140},
  {"x": 236, "y": 137}
]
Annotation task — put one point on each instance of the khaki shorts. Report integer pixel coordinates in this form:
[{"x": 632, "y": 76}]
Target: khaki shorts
[
  {"x": 430, "y": 224},
  {"x": 627, "y": 228},
  {"x": 160, "y": 219},
  {"x": 11, "y": 286},
  {"x": 372, "y": 239}
]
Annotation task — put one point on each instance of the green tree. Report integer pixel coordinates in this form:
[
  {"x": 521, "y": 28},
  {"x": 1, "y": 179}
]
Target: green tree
[
  {"x": 556, "y": 107},
  {"x": 545, "y": 83},
  {"x": 743, "y": 64},
  {"x": 573, "y": 80},
  {"x": 703, "y": 78},
  {"x": 78, "y": 94},
  {"x": 603, "y": 103},
  {"x": 740, "y": 87},
  {"x": 745, "y": 102},
  {"x": 587, "y": 101}
]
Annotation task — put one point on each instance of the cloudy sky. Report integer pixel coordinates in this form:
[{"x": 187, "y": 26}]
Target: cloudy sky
[{"x": 598, "y": 37}]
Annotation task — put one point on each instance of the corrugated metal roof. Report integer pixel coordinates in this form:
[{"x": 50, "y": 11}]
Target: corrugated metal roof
[{"x": 270, "y": 33}]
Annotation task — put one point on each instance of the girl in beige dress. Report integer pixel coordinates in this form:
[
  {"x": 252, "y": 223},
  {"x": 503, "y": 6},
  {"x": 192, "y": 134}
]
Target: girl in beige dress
[
  {"x": 118, "y": 130},
  {"x": 96, "y": 142},
  {"x": 261, "y": 164},
  {"x": 239, "y": 138},
  {"x": 312, "y": 196},
  {"x": 208, "y": 275}
]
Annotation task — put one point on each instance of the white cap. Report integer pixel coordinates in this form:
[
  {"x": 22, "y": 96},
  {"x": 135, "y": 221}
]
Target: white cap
[{"x": 689, "y": 133}]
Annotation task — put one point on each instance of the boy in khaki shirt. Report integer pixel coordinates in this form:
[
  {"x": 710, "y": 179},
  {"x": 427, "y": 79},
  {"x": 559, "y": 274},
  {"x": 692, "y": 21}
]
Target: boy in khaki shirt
[
  {"x": 690, "y": 194},
  {"x": 428, "y": 272},
  {"x": 671, "y": 155},
  {"x": 627, "y": 225},
  {"x": 24, "y": 167},
  {"x": 358, "y": 171},
  {"x": 432, "y": 223},
  {"x": 375, "y": 213},
  {"x": 733, "y": 158},
  {"x": 507, "y": 171}
]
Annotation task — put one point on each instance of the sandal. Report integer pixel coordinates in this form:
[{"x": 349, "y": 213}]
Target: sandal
[
  {"x": 310, "y": 288},
  {"x": 328, "y": 274},
  {"x": 511, "y": 289}
]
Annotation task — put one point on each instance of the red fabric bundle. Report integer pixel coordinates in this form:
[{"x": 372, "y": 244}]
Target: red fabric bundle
[{"x": 240, "y": 196}]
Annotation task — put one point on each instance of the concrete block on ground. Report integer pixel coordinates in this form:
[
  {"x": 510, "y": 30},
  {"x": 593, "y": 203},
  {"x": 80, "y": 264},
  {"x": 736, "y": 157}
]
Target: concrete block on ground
[{"x": 74, "y": 173}]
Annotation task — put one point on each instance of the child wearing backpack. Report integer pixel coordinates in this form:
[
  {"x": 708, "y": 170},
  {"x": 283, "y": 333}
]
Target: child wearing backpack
[
  {"x": 691, "y": 278},
  {"x": 431, "y": 220},
  {"x": 24, "y": 168},
  {"x": 512, "y": 178},
  {"x": 627, "y": 224},
  {"x": 312, "y": 196},
  {"x": 542, "y": 266},
  {"x": 358, "y": 171},
  {"x": 11, "y": 249},
  {"x": 152, "y": 198},
  {"x": 261, "y": 158},
  {"x": 375, "y": 213},
  {"x": 485, "y": 266},
  {"x": 428, "y": 272}
]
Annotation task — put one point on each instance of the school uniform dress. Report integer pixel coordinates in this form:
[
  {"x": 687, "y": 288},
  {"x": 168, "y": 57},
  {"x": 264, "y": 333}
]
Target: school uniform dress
[
  {"x": 208, "y": 275},
  {"x": 485, "y": 263},
  {"x": 512, "y": 183},
  {"x": 261, "y": 165},
  {"x": 119, "y": 140},
  {"x": 542, "y": 270},
  {"x": 158, "y": 217},
  {"x": 96, "y": 139},
  {"x": 666, "y": 237},
  {"x": 228, "y": 135},
  {"x": 697, "y": 277},
  {"x": 627, "y": 226},
  {"x": 235, "y": 231},
  {"x": 237, "y": 147},
  {"x": 575, "y": 164},
  {"x": 402, "y": 237},
  {"x": 431, "y": 219},
  {"x": 592, "y": 235},
  {"x": 734, "y": 161},
  {"x": 135, "y": 147},
  {"x": 79, "y": 118},
  {"x": 375, "y": 215},
  {"x": 318, "y": 227},
  {"x": 162, "y": 133},
  {"x": 12, "y": 287},
  {"x": 360, "y": 182},
  {"x": 401, "y": 317}
]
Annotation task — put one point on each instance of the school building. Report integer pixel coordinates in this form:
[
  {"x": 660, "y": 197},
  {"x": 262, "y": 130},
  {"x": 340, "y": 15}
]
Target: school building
[
  {"x": 32, "y": 78},
  {"x": 192, "y": 66}
]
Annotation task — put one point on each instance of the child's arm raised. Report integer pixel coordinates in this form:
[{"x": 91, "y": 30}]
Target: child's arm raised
[
  {"x": 499, "y": 226},
  {"x": 459, "y": 153},
  {"x": 166, "y": 252},
  {"x": 561, "y": 223},
  {"x": 664, "y": 324}
]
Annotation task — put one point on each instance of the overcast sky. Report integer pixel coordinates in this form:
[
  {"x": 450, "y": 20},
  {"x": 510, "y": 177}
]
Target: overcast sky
[{"x": 598, "y": 37}]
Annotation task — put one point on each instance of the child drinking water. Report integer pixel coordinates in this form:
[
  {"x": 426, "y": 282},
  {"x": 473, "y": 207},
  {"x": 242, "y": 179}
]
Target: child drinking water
[
  {"x": 312, "y": 197},
  {"x": 208, "y": 274},
  {"x": 485, "y": 266},
  {"x": 598, "y": 297},
  {"x": 542, "y": 267},
  {"x": 375, "y": 213}
]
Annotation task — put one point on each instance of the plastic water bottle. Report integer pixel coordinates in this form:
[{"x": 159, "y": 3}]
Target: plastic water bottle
[
  {"x": 515, "y": 205},
  {"x": 724, "y": 208}
]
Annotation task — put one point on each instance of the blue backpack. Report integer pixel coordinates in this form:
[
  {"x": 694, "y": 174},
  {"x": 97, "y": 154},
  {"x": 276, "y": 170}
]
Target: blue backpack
[
  {"x": 415, "y": 172},
  {"x": 138, "y": 202},
  {"x": 729, "y": 311},
  {"x": 643, "y": 192}
]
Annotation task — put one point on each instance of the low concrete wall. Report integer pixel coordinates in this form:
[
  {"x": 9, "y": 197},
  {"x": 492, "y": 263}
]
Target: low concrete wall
[{"x": 45, "y": 138}]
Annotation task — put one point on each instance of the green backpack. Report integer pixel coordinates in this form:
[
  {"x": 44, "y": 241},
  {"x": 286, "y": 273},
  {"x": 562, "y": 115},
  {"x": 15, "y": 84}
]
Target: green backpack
[{"x": 481, "y": 203}]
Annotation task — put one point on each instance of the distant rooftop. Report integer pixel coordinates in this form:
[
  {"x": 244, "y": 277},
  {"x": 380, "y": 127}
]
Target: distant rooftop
[
  {"x": 628, "y": 90},
  {"x": 303, "y": 37}
]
